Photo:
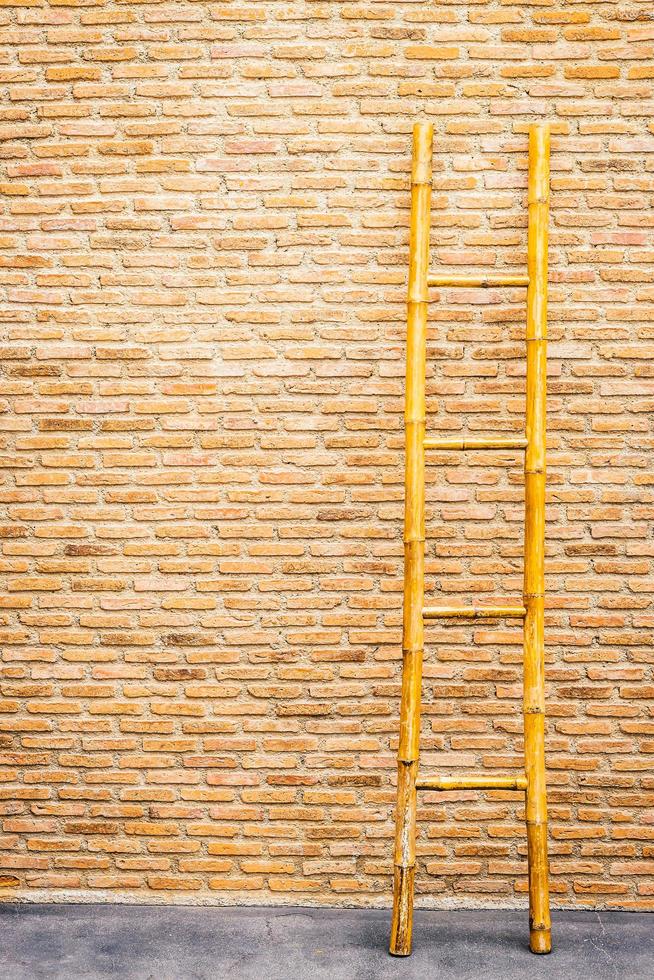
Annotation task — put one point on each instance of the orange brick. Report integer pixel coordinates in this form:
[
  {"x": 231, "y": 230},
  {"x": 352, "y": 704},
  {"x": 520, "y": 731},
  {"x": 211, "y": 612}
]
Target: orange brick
[{"x": 204, "y": 250}]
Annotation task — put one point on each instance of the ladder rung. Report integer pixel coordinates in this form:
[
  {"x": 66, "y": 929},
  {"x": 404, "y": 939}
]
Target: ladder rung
[
  {"x": 510, "y": 442},
  {"x": 478, "y": 282},
  {"x": 473, "y": 612},
  {"x": 471, "y": 782}
]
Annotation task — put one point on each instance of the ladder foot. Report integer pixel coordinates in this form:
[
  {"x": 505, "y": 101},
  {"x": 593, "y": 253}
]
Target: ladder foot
[
  {"x": 402, "y": 925},
  {"x": 540, "y": 941}
]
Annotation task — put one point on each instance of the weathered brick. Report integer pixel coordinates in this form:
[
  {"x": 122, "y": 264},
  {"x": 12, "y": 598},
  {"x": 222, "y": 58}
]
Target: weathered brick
[{"x": 204, "y": 249}]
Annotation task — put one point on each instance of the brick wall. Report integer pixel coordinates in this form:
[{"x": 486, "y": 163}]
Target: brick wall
[{"x": 203, "y": 247}]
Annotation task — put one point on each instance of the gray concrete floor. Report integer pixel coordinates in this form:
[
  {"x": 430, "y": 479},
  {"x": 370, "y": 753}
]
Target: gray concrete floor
[{"x": 186, "y": 943}]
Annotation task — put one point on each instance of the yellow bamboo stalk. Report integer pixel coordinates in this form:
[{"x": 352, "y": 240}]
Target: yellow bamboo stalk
[
  {"x": 471, "y": 782},
  {"x": 477, "y": 282},
  {"x": 473, "y": 612},
  {"x": 534, "y": 574},
  {"x": 510, "y": 442},
  {"x": 414, "y": 542}
]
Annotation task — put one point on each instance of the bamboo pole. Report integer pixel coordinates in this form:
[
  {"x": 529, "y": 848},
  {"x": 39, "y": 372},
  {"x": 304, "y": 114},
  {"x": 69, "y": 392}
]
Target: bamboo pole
[
  {"x": 414, "y": 542},
  {"x": 471, "y": 782},
  {"x": 477, "y": 282},
  {"x": 534, "y": 577},
  {"x": 474, "y": 612},
  {"x": 510, "y": 442}
]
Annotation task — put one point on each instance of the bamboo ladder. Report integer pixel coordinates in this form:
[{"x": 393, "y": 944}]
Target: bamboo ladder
[{"x": 531, "y": 610}]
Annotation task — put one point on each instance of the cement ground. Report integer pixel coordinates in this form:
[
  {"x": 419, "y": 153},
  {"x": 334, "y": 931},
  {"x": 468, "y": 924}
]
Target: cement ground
[{"x": 189, "y": 943}]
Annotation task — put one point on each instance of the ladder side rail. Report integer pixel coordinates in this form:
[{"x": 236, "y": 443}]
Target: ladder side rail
[
  {"x": 414, "y": 542},
  {"x": 534, "y": 579}
]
